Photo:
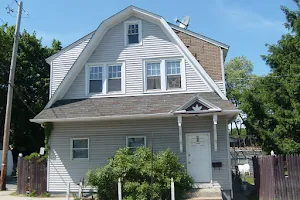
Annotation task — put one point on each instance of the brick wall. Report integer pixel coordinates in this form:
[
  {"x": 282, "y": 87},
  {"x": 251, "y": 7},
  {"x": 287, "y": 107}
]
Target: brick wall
[{"x": 207, "y": 54}]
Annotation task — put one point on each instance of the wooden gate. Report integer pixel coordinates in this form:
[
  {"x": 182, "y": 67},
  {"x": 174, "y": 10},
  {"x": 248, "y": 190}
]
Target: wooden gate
[
  {"x": 32, "y": 176},
  {"x": 277, "y": 177}
]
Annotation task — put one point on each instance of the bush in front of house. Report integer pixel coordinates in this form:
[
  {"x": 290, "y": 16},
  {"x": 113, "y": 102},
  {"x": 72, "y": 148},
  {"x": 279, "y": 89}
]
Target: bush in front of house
[{"x": 135, "y": 168}]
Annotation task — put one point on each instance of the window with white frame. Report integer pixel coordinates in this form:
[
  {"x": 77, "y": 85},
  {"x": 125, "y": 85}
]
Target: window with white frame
[
  {"x": 164, "y": 75},
  {"x": 173, "y": 74},
  {"x": 133, "y": 32},
  {"x": 114, "y": 78},
  {"x": 134, "y": 142},
  {"x": 79, "y": 148},
  {"x": 95, "y": 82},
  {"x": 104, "y": 78},
  {"x": 153, "y": 75}
]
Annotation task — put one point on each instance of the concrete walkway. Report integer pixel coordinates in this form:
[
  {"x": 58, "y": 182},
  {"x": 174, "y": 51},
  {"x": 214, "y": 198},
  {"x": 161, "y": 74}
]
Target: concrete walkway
[{"x": 6, "y": 195}]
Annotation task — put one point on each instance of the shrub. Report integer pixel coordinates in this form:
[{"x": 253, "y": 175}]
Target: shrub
[{"x": 138, "y": 169}]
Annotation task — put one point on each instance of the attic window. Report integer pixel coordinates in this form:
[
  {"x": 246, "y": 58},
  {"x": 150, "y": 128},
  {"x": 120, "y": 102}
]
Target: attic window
[
  {"x": 133, "y": 32},
  {"x": 95, "y": 80}
]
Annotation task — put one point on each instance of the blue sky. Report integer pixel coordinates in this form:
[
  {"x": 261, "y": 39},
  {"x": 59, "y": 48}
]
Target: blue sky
[{"x": 244, "y": 25}]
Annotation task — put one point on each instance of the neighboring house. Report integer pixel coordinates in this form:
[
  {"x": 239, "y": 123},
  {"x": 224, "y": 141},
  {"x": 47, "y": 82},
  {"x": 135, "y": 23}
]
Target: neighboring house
[{"x": 135, "y": 77}]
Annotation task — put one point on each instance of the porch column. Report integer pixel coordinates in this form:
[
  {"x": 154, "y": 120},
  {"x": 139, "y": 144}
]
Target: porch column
[
  {"x": 215, "y": 120},
  {"x": 179, "y": 118}
]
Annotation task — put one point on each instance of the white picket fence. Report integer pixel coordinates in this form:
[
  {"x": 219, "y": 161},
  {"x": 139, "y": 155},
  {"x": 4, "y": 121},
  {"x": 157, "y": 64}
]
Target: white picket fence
[{"x": 119, "y": 190}]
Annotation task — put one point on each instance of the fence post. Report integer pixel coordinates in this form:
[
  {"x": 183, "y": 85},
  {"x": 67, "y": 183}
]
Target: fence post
[
  {"x": 172, "y": 189},
  {"x": 119, "y": 189},
  {"x": 68, "y": 191}
]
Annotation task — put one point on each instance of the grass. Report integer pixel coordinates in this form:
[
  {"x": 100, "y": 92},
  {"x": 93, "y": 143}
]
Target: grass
[{"x": 248, "y": 179}]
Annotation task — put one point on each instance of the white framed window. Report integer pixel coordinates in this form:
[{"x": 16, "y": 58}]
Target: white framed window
[
  {"x": 173, "y": 74},
  {"x": 134, "y": 142},
  {"x": 133, "y": 32},
  {"x": 95, "y": 80},
  {"x": 153, "y": 75},
  {"x": 114, "y": 78},
  {"x": 105, "y": 78},
  {"x": 166, "y": 74},
  {"x": 79, "y": 148}
]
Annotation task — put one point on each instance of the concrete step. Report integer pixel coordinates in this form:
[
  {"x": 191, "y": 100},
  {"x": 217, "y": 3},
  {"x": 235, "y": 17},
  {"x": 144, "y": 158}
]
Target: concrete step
[
  {"x": 206, "y": 198},
  {"x": 205, "y": 194}
]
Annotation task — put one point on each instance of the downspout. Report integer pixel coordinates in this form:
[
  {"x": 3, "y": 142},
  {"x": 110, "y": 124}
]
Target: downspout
[
  {"x": 215, "y": 120},
  {"x": 179, "y": 117}
]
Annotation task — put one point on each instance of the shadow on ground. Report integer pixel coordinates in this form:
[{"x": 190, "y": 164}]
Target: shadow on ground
[{"x": 238, "y": 191}]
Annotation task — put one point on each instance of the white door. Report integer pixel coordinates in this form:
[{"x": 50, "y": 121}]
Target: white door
[{"x": 199, "y": 157}]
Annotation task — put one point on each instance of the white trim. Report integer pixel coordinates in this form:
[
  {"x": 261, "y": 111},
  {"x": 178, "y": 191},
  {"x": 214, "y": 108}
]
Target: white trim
[
  {"x": 71, "y": 148},
  {"x": 131, "y": 22},
  {"x": 48, "y": 164},
  {"x": 51, "y": 79},
  {"x": 138, "y": 136},
  {"x": 223, "y": 70},
  {"x": 163, "y": 74},
  {"x": 104, "y": 66},
  {"x": 101, "y": 31},
  {"x": 209, "y": 146}
]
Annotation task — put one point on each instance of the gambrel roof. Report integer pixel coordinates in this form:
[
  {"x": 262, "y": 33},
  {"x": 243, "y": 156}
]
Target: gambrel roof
[{"x": 114, "y": 20}]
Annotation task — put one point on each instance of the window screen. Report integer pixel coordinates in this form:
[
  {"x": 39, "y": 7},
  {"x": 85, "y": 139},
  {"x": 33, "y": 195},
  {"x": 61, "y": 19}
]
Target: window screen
[
  {"x": 173, "y": 74},
  {"x": 114, "y": 78},
  {"x": 133, "y": 33},
  {"x": 80, "y": 148},
  {"x": 95, "y": 79},
  {"x": 153, "y": 75}
]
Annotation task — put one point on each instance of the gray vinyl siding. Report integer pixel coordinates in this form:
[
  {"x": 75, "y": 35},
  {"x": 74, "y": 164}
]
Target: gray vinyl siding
[
  {"x": 107, "y": 136},
  {"x": 63, "y": 63},
  {"x": 156, "y": 44},
  {"x": 220, "y": 84}
]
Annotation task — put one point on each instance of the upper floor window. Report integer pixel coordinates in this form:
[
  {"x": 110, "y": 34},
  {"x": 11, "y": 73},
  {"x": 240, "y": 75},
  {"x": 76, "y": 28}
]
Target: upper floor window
[
  {"x": 173, "y": 74},
  {"x": 133, "y": 32},
  {"x": 114, "y": 78},
  {"x": 165, "y": 74},
  {"x": 95, "y": 81},
  {"x": 153, "y": 75},
  {"x": 105, "y": 78}
]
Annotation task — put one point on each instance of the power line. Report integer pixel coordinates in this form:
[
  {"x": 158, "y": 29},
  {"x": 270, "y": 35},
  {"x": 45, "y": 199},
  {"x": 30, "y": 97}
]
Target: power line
[{"x": 22, "y": 99}]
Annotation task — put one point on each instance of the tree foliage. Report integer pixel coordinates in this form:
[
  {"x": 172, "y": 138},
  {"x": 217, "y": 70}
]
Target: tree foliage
[
  {"x": 30, "y": 89},
  {"x": 238, "y": 79},
  {"x": 273, "y": 103},
  {"x": 138, "y": 169}
]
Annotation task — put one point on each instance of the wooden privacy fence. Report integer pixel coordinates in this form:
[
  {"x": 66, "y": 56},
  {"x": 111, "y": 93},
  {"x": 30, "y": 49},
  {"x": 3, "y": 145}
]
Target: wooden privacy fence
[
  {"x": 277, "y": 177},
  {"x": 32, "y": 176}
]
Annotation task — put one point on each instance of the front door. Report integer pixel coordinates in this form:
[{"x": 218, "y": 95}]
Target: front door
[{"x": 199, "y": 157}]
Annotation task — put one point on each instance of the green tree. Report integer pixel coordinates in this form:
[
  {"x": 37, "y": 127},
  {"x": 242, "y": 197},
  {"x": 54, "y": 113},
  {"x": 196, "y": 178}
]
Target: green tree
[
  {"x": 273, "y": 103},
  {"x": 30, "y": 89},
  {"x": 238, "y": 78}
]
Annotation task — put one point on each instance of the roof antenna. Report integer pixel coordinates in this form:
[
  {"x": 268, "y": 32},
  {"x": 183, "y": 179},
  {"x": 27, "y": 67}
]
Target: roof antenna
[{"x": 184, "y": 23}]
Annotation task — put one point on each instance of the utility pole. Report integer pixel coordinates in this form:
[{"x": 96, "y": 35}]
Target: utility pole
[{"x": 9, "y": 100}]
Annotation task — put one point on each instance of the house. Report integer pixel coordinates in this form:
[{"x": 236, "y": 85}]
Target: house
[{"x": 138, "y": 80}]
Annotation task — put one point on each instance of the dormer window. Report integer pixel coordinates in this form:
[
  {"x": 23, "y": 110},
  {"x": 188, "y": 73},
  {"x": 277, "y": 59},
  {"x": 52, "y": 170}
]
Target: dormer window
[{"x": 133, "y": 32}]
